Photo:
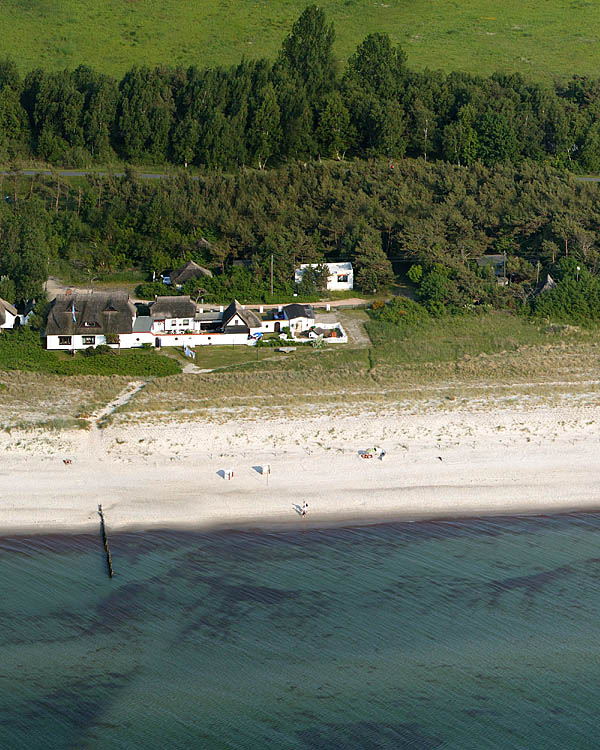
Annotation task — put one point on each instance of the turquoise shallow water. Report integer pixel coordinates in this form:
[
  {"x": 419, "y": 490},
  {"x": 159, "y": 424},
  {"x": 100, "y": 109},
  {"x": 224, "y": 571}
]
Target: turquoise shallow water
[{"x": 467, "y": 634}]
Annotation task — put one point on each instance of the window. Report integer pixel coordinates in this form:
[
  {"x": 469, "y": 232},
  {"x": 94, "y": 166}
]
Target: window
[
  {"x": 185, "y": 323},
  {"x": 173, "y": 323},
  {"x": 64, "y": 341},
  {"x": 90, "y": 324},
  {"x": 342, "y": 278},
  {"x": 89, "y": 340}
]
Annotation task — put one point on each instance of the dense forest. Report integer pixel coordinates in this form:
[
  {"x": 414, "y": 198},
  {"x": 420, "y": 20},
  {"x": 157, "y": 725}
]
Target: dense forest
[
  {"x": 438, "y": 218},
  {"x": 299, "y": 106}
]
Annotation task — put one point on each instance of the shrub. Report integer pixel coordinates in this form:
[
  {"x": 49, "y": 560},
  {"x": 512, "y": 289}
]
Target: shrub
[
  {"x": 401, "y": 311},
  {"x": 415, "y": 274}
]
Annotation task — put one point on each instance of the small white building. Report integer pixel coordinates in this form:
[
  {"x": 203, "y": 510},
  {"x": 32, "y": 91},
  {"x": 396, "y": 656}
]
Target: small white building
[
  {"x": 8, "y": 314},
  {"x": 296, "y": 317},
  {"x": 341, "y": 275}
]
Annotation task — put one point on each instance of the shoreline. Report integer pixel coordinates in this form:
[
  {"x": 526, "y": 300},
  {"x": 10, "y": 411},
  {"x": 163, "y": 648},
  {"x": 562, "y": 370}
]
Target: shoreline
[
  {"x": 266, "y": 526},
  {"x": 505, "y": 463}
]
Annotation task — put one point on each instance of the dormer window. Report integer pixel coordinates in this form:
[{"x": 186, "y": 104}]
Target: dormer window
[{"x": 89, "y": 324}]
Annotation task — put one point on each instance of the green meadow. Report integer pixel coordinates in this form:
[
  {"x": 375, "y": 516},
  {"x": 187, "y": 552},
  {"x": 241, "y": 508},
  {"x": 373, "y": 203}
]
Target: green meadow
[{"x": 541, "y": 38}]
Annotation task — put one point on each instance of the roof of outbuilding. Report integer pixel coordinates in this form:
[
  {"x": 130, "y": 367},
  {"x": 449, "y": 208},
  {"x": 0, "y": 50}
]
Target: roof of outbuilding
[
  {"x": 142, "y": 324},
  {"x": 249, "y": 317},
  {"x": 172, "y": 307},
  {"x": 296, "y": 310},
  {"x": 190, "y": 270},
  {"x": 94, "y": 312}
]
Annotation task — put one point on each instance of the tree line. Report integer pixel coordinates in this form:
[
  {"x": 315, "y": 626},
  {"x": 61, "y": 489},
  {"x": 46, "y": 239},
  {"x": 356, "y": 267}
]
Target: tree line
[
  {"x": 299, "y": 106},
  {"x": 436, "y": 218}
]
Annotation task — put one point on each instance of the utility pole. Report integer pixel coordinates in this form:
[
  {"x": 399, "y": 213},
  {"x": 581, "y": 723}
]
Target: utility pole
[{"x": 271, "y": 274}]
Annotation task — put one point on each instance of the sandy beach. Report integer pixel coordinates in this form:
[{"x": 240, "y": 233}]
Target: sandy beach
[{"x": 445, "y": 464}]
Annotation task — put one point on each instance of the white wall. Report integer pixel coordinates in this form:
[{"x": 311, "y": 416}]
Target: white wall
[
  {"x": 334, "y": 285},
  {"x": 10, "y": 320},
  {"x": 52, "y": 342},
  {"x": 133, "y": 340},
  {"x": 176, "y": 324},
  {"x": 206, "y": 339}
]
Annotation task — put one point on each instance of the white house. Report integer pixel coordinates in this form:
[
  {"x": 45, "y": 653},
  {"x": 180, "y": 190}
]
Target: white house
[
  {"x": 341, "y": 275},
  {"x": 8, "y": 314},
  {"x": 296, "y": 317},
  {"x": 78, "y": 321}
]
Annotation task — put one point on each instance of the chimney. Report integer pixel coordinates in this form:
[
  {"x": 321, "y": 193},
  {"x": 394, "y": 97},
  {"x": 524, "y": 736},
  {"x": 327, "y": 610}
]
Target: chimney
[
  {"x": 261, "y": 309},
  {"x": 221, "y": 308},
  {"x": 328, "y": 307},
  {"x": 279, "y": 308},
  {"x": 201, "y": 310}
]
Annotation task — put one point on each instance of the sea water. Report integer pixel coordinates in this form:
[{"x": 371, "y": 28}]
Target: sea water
[{"x": 466, "y": 634}]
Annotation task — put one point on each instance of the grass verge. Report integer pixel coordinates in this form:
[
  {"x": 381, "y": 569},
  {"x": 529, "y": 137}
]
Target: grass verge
[{"x": 23, "y": 350}]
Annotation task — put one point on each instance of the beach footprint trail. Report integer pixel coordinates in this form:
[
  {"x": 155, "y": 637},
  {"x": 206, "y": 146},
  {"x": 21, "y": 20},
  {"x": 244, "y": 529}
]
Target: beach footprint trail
[{"x": 99, "y": 419}]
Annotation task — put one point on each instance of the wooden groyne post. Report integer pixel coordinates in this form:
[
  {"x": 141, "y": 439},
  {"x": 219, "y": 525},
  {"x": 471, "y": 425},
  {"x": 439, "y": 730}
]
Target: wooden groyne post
[{"x": 109, "y": 564}]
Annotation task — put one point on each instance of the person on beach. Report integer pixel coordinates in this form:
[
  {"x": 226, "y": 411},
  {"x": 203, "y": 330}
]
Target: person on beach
[{"x": 304, "y": 509}]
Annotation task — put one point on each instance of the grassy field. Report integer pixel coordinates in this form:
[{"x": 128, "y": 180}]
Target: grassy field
[{"x": 543, "y": 38}]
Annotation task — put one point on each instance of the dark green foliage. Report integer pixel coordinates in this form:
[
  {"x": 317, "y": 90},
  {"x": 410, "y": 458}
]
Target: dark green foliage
[
  {"x": 438, "y": 216},
  {"x": 27, "y": 242},
  {"x": 23, "y": 350},
  {"x": 307, "y": 52},
  {"x": 152, "y": 289},
  {"x": 372, "y": 268}
]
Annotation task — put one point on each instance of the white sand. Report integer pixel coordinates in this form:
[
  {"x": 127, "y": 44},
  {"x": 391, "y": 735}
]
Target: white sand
[{"x": 496, "y": 462}]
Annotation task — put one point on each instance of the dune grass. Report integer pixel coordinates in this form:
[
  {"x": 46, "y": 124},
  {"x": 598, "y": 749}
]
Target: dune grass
[
  {"x": 542, "y": 39},
  {"x": 51, "y": 402},
  {"x": 456, "y": 358},
  {"x": 455, "y": 337}
]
